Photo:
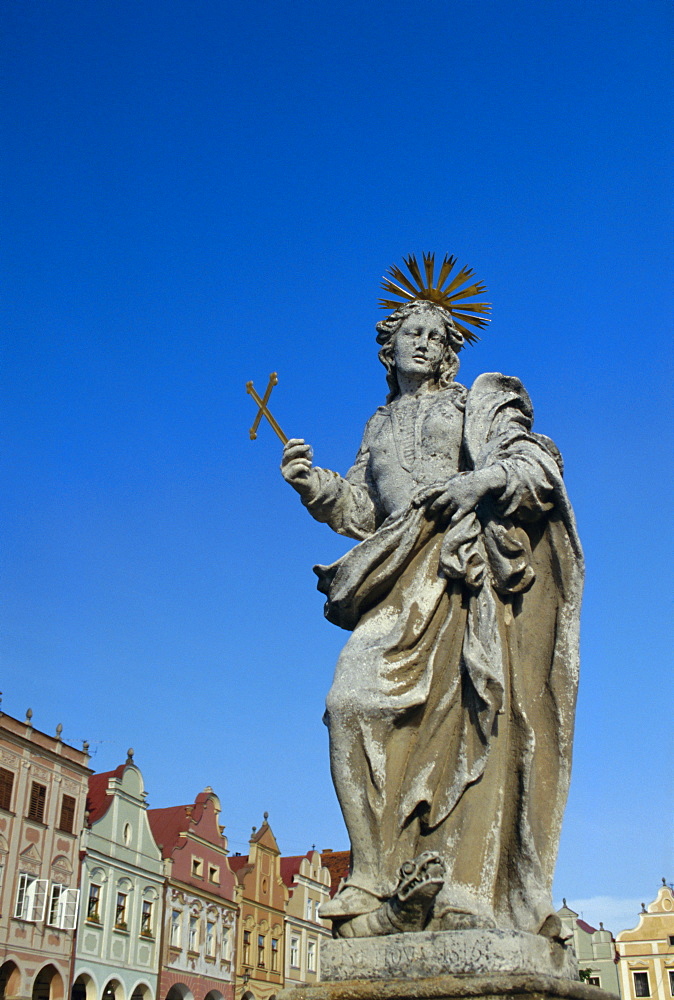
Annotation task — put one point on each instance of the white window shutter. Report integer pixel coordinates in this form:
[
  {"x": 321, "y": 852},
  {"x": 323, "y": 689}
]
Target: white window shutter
[
  {"x": 67, "y": 911},
  {"x": 19, "y": 907},
  {"x": 36, "y": 900}
]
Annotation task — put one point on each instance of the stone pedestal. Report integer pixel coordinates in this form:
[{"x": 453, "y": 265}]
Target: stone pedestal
[{"x": 448, "y": 965}]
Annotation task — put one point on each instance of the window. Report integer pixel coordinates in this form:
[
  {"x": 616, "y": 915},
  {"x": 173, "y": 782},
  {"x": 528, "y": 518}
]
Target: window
[
  {"x": 311, "y": 956},
  {"x": 274, "y": 955},
  {"x": 246, "y": 947},
  {"x": 120, "y": 911},
  {"x": 671, "y": 977},
  {"x": 56, "y": 891},
  {"x": 641, "y": 987},
  {"x": 310, "y": 909},
  {"x": 146, "y": 918},
  {"x": 295, "y": 952},
  {"x": 671, "y": 939},
  {"x": 225, "y": 943},
  {"x": 31, "y": 898},
  {"x": 214, "y": 874},
  {"x": 210, "y": 938},
  {"x": 6, "y": 786},
  {"x": 93, "y": 903},
  {"x": 175, "y": 929},
  {"x": 317, "y": 907},
  {"x": 260, "y": 951},
  {"x": 67, "y": 820},
  {"x": 194, "y": 934},
  {"x": 594, "y": 980},
  {"x": 63, "y": 907},
  {"x": 197, "y": 868},
  {"x": 38, "y": 797}
]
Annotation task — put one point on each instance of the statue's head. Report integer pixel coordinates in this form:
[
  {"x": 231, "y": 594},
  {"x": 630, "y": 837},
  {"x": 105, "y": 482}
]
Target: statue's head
[{"x": 447, "y": 338}]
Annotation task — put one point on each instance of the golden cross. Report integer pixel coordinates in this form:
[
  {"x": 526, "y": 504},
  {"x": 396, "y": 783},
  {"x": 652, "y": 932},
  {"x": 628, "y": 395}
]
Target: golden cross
[{"x": 263, "y": 411}]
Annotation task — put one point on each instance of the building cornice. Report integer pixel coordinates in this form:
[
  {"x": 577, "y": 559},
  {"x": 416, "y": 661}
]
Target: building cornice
[
  {"x": 187, "y": 887},
  {"x": 106, "y": 859},
  {"x": 36, "y": 749}
]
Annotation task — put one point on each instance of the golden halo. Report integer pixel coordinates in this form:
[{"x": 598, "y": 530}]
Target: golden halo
[{"x": 450, "y": 298}]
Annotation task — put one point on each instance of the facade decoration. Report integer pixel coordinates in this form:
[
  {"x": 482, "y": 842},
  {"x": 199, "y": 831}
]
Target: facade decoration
[
  {"x": 199, "y": 924},
  {"x": 595, "y": 950},
  {"x": 262, "y": 900},
  {"x": 43, "y": 788},
  {"x": 338, "y": 864},
  {"x": 646, "y": 953},
  {"x": 308, "y": 883},
  {"x": 117, "y": 948}
]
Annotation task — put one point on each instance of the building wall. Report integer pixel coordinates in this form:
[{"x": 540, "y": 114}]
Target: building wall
[
  {"x": 190, "y": 958},
  {"x": 121, "y": 857},
  {"x": 646, "y": 953},
  {"x": 263, "y": 898},
  {"x": 37, "y": 857},
  {"x": 309, "y": 889},
  {"x": 595, "y": 950},
  {"x": 200, "y": 910}
]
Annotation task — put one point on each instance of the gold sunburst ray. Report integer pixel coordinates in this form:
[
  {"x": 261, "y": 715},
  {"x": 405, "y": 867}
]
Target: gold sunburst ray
[
  {"x": 446, "y": 269},
  {"x": 401, "y": 278},
  {"x": 390, "y": 286},
  {"x": 429, "y": 268},
  {"x": 413, "y": 268},
  {"x": 464, "y": 274},
  {"x": 465, "y": 292},
  {"x": 473, "y": 307},
  {"x": 452, "y": 298}
]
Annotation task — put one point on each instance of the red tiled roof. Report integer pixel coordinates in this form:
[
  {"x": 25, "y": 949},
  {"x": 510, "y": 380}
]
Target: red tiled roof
[
  {"x": 98, "y": 801},
  {"x": 586, "y": 927},
  {"x": 337, "y": 863},
  {"x": 167, "y": 825},
  {"x": 290, "y": 867},
  {"x": 237, "y": 861}
]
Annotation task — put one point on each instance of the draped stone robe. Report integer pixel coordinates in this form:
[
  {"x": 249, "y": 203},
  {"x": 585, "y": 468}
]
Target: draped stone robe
[{"x": 451, "y": 711}]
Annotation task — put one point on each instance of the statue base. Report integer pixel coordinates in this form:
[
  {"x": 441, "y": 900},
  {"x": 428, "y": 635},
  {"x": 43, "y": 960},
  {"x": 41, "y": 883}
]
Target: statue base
[
  {"x": 448, "y": 965},
  {"x": 448, "y": 987}
]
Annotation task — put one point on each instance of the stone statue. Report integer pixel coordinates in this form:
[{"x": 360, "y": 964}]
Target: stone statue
[{"x": 451, "y": 711}]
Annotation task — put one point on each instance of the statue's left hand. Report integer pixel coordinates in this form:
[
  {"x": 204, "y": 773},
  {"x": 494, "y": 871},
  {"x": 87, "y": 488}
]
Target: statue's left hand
[{"x": 461, "y": 494}]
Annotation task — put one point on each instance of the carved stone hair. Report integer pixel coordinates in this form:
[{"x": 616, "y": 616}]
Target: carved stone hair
[{"x": 387, "y": 328}]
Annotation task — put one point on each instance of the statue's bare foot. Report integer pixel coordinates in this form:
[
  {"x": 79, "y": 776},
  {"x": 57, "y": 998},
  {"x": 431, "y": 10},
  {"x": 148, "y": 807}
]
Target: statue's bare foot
[
  {"x": 408, "y": 908},
  {"x": 552, "y": 928},
  {"x": 350, "y": 901}
]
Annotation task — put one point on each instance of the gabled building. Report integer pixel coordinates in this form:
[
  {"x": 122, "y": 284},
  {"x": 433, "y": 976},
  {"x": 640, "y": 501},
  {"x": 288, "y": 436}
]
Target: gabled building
[
  {"x": 595, "y": 950},
  {"x": 338, "y": 864},
  {"x": 43, "y": 789},
  {"x": 199, "y": 935},
  {"x": 117, "y": 946},
  {"x": 262, "y": 900},
  {"x": 308, "y": 884},
  {"x": 646, "y": 953}
]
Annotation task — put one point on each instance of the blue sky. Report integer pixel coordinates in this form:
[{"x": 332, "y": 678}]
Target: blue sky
[{"x": 195, "y": 194}]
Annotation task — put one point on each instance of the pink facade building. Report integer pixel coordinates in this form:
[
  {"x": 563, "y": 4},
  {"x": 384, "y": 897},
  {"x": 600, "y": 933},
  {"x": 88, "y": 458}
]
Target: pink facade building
[
  {"x": 197, "y": 959},
  {"x": 43, "y": 790}
]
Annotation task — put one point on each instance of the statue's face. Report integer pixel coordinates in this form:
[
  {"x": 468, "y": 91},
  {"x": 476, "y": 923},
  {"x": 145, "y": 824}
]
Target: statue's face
[{"x": 419, "y": 345}]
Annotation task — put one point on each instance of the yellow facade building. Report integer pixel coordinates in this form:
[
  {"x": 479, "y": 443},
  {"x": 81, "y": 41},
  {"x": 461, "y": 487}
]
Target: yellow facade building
[
  {"x": 262, "y": 898},
  {"x": 646, "y": 953}
]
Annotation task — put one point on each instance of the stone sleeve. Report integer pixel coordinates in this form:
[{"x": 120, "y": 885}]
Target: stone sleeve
[{"x": 348, "y": 504}]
